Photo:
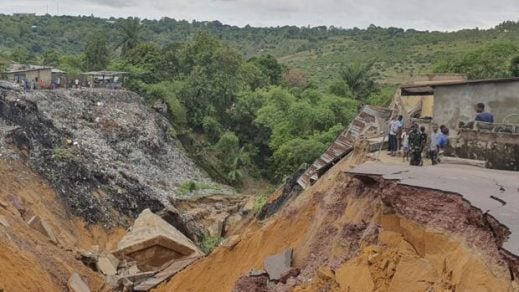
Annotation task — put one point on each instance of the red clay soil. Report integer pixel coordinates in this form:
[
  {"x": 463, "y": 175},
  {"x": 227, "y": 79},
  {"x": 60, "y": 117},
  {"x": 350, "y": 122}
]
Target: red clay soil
[
  {"x": 347, "y": 235},
  {"x": 29, "y": 261},
  {"x": 252, "y": 284}
]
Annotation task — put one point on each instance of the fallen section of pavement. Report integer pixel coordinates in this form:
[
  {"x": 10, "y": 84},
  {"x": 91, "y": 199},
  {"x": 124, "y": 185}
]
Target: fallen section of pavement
[{"x": 494, "y": 192}]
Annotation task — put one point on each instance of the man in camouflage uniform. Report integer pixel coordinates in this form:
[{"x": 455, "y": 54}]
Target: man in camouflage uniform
[{"x": 415, "y": 145}]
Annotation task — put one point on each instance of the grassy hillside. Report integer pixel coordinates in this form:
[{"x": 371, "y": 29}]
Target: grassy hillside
[{"x": 319, "y": 51}]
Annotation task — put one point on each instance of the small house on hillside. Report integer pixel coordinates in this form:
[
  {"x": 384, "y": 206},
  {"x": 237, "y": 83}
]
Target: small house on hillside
[
  {"x": 104, "y": 79},
  {"x": 35, "y": 76}
]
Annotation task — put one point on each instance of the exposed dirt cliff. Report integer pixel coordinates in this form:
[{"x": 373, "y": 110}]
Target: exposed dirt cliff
[
  {"x": 41, "y": 257},
  {"x": 362, "y": 234}
]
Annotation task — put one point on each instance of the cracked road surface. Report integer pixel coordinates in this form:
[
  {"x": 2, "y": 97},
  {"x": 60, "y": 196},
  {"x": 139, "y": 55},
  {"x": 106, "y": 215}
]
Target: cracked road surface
[{"x": 494, "y": 192}]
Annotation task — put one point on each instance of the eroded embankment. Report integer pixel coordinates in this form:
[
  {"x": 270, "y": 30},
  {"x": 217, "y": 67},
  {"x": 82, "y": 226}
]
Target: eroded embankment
[
  {"x": 364, "y": 234},
  {"x": 39, "y": 240}
]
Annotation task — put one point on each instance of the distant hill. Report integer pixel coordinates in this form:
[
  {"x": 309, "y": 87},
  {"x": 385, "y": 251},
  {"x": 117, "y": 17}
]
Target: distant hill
[{"x": 397, "y": 54}]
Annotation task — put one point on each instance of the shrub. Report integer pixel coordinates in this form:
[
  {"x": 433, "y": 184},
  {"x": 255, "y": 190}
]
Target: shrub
[
  {"x": 209, "y": 243},
  {"x": 259, "y": 203},
  {"x": 63, "y": 153}
]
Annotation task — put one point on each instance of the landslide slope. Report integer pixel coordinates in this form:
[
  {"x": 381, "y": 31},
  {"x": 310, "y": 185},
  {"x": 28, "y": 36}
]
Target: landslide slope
[
  {"x": 37, "y": 259},
  {"x": 105, "y": 152},
  {"x": 355, "y": 234}
]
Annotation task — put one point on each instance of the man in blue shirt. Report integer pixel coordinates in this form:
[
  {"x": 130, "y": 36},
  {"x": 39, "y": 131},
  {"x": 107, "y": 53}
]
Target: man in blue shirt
[{"x": 482, "y": 115}]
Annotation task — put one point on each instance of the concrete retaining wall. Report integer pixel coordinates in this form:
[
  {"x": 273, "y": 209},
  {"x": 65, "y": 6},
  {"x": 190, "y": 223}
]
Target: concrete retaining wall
[
  {"x": 499, "y": 150},
  {"x": 454, "y": 103}
]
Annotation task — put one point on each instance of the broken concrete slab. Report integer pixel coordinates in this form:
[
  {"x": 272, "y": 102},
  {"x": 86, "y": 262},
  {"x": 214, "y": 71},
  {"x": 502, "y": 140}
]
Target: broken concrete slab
[
  {"x": 107, "y": 264},
  {"x": 133, "y": 270},
  {"x": 249, "y": 205},
  {"x": 256, "y": 273},
  {"x": 76, "y": 284},
  {"x": 231, "y": 241},
  {"x": 49, "y": 231},
  {"x": 43, "y": 227},
  {"x": 126, "y": 284},
  {"x": 216, "y": 229},
  {"x": 139, "y": 277},
  {"x": 463, "y": 161},
  {"x": 111, "y": 258},
  {"x": 3, "y": 221},
  {"x": 152, "y": 242},
  {"x": 277, "y": 265},
  {"x": 88, "y": 258},
  {"x": 165, "y": 274}
]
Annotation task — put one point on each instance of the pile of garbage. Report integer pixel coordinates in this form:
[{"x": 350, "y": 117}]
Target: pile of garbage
[{"x": 105, "y": 151}]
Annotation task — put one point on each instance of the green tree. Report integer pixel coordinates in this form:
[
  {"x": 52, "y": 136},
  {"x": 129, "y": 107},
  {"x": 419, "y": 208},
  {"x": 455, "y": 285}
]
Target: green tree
[
  {"x": 212, "y": 80},
  {"x": 492, "y": 61},
  {"x": 253, "y": 76},
  {"x": 50, "y": 58},
  {"x": 96, "y": 51},
  {"x": 167, "y": 91},
  {"x": 270, "y": 67},
  {"x": 301, "y": 126},
  {"x": 359, "y": 79},
  {"x": 339, "y": 88},
  {"x": 22, "y": 55},
  {"x": 235, "y": 173},
  {"x": 129, "y": 34},
  {"x": 144, "y": 59},
  {"x": 295, "y": 152},
  {"x": 514, "y": 66},
  {"x": 71, "y": 64}
]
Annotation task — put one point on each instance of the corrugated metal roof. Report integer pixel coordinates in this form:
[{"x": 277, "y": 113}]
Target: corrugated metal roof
[
  {"x": 104, "y": 73},
  {"x": 35, "y": 68},
  {"x": 370, "y": 122}
]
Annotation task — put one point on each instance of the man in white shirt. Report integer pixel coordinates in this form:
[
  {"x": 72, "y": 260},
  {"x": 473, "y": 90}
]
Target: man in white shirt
[
  {"x": 395, "y": 126},
  {"x": 434, "y": 147}
]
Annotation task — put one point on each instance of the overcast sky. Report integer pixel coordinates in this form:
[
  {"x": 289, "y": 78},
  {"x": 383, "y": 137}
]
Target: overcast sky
[{"x": 418, "y": 14}]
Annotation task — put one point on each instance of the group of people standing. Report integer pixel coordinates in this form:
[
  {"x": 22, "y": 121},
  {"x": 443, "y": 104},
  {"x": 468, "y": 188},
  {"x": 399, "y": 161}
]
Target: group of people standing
[{"x": 413, "y": 141}]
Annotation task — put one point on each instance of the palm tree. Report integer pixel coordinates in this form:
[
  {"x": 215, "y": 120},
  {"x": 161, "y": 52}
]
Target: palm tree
[
  {"x": 235, "y": 175},
  {"x": 129, "y": 31},
  {"x": 359, "y": 79}
]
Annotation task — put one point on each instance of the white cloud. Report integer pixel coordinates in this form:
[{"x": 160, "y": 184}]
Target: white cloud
[{"x": 424, "y": 15}]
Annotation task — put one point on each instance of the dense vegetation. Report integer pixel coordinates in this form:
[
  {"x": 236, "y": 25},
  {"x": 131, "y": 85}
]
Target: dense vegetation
[
  {"x": 256, "y": 101},
  {"x": 244, "y": 117},
  {"x": 320, "y": 52}
]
